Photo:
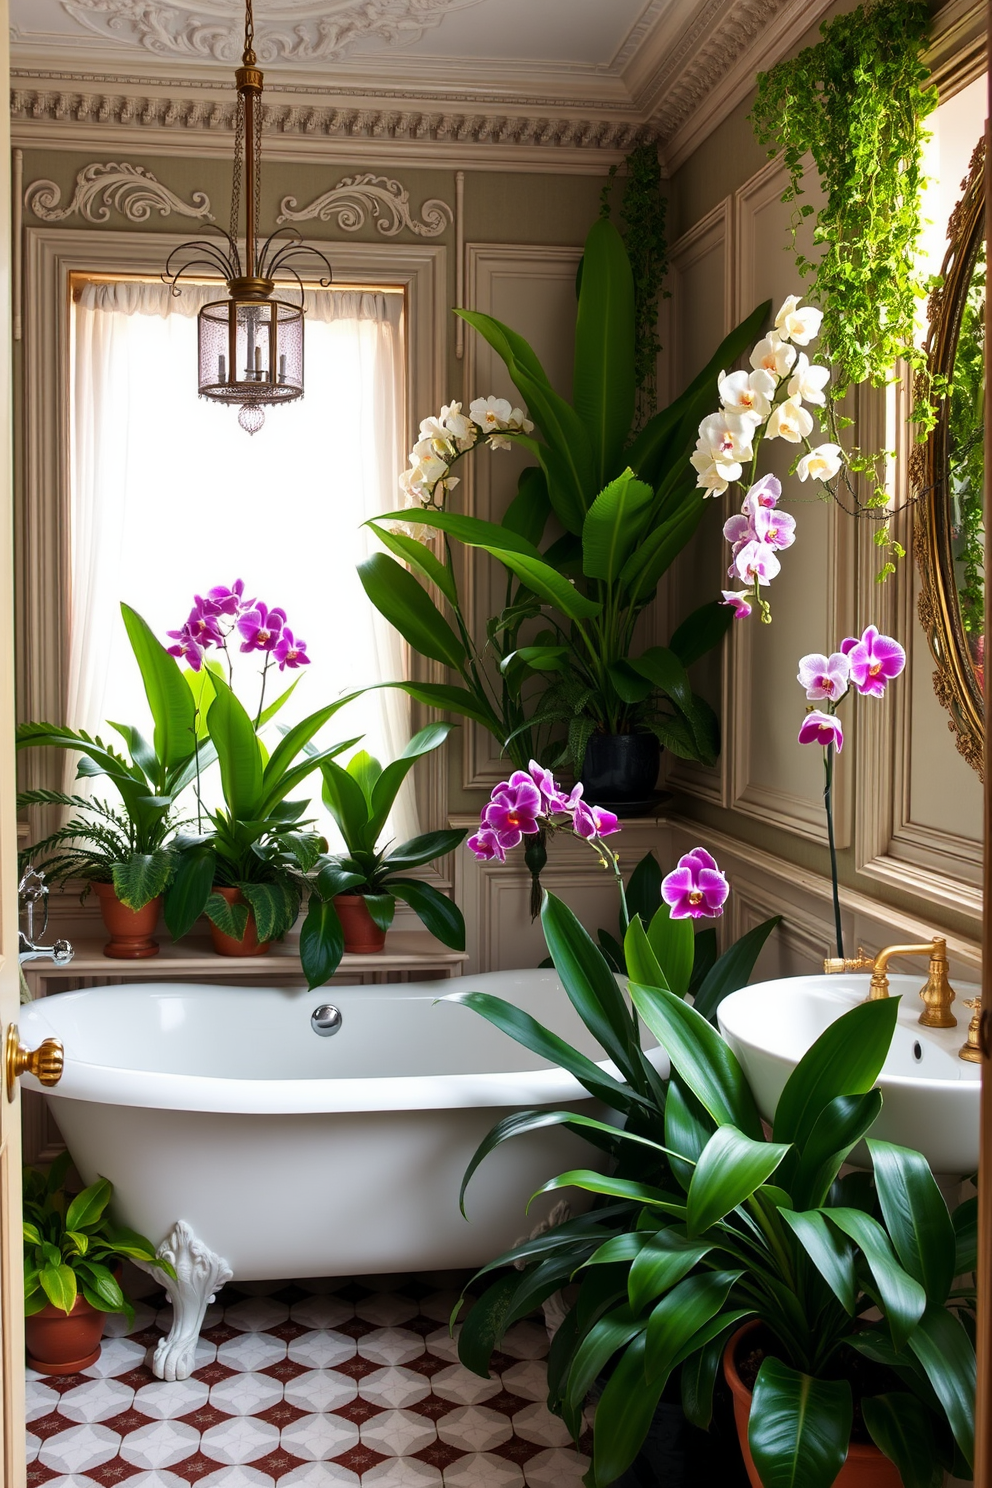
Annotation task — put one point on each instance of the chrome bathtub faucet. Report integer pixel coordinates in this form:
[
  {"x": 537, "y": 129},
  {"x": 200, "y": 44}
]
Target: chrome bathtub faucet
[{"x": 30, "y": 890}]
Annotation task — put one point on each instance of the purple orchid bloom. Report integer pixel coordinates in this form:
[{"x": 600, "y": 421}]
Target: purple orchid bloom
[
  {"x": 260, "y": 628},
  {"x": 824, "y": 676},
  {"x": 739, "y": 530},
  {"x": 696, "y": 888},
  {"x": 591, "y": 821},
  {"x": 763, "y": 494},
  {"x": 823, "y": 729},
  {"x": 776, "y": 528},
  {"x": 741, "y": 602},
  {"x": 513, "y": 809},
  {"x": 290, "y": 652},
  {"x": 486, "y": 846},
  {"x": 228, "y": 601},
  {"x": 202, "y": 623},
  {"x": 187, "y": 647},
  {"x": 553, "y": 797},
  {"x": 755, "y": 561},
  {"x": 874, "y": 660}
]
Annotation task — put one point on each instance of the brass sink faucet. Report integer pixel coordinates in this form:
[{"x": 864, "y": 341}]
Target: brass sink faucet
[{"x": 938, "y": 994}]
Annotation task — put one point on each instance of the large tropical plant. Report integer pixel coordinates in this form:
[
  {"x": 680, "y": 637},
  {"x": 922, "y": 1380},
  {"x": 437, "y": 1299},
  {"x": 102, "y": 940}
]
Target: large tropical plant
[
  {"x": 360, "y": 797},
  {"x": 626, "y": 507},
  {"x": 707, "y": 1222}
]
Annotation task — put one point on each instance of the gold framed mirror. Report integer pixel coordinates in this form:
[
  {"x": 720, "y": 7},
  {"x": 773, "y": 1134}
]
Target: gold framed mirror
[{"x": 948, "y": 475}]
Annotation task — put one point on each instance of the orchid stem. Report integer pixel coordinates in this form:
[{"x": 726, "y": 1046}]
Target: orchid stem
[
  {"x": 828, "y": 792},
  {"x": 261, "y": 696}
]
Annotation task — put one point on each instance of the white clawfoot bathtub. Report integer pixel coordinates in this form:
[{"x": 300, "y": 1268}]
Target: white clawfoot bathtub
[{"x": 259, "y": 1149}]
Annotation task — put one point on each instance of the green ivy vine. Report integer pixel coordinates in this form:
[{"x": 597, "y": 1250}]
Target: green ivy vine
[
  {"x": 642, "y": 212},
  {"x": 856, "y": 102},
  {"x": 966, "y": 442}
]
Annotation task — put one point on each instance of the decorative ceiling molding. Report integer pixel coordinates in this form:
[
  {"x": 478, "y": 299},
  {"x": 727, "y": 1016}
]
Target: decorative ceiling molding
[
  {"x": 315, "y": 30},
  {"x": 358, "y": 198},
  {"x": 128, "y": 189}
]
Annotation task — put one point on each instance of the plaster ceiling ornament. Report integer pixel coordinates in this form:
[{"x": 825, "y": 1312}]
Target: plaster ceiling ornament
[
  {"x": 356, "y": 198},
  {"x": 312, "y": 30},
  {"x": 128, "y": 189}
]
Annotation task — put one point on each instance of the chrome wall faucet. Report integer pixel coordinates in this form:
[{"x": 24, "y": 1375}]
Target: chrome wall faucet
[{"x": 31, "y": 890}]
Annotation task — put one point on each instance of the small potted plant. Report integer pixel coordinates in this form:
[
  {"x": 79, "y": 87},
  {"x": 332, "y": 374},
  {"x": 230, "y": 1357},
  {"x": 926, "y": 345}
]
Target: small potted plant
[
  {"x": 358, "y": 888},
  {"x": 72, "y": 1256}
]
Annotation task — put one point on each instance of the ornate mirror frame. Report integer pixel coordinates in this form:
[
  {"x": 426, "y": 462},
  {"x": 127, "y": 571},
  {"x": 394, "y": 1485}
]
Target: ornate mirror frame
[{"x": 954, "y": 680}]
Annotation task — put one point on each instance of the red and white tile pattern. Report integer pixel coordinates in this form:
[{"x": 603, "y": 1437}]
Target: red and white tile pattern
[{"x": 317, "y": 1384}]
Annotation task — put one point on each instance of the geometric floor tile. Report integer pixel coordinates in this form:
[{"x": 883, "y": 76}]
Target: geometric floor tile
[{"x": 337, "y": 1383}]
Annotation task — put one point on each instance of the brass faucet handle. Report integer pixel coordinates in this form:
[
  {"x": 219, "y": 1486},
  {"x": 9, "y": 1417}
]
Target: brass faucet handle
[
  {"x": 46, "y": 1062},
  {"x": 861, "y": 962},
  {"x": 938, "y": 994},
  {"x": 971, "y": 1049}
]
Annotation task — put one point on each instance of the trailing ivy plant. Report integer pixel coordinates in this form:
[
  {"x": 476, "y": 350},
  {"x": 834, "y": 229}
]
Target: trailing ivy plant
[
  {"x": 857, "y": 102},
  {"x": 966, "y": 439},
  {"x": 642, "y": 213}
]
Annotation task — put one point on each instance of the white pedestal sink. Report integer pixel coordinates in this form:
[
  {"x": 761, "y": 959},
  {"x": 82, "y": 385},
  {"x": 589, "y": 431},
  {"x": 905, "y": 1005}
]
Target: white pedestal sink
[{"x": 930, "y": 1096}]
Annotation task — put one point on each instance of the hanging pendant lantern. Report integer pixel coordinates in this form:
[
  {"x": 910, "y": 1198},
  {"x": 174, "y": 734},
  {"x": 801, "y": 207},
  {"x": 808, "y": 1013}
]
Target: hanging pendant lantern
[{"x": 251, "y": 344}]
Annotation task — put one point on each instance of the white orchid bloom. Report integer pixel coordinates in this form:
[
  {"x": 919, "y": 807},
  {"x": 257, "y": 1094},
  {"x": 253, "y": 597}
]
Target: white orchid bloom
[
  {"x": 820, "y": 464},
  {"x": 491, "y": 413},
  {"x": 429, "y": 469},
  {"x": 435, "y": 448},
  {"x": 519, "y": 420},
  {"x": 498, "y": 441},
  {"x": 798, "y": 323},
  {"x": 728, "y": 435},
  {"x": 807, "y": 382},
  {"x": 458, "y": 426},
  {"x": 789, "y": 421},
  {"x": 773, "y": 355},
  {"x": 747, "y": 393},
  {"x": 710, "y": 478}
]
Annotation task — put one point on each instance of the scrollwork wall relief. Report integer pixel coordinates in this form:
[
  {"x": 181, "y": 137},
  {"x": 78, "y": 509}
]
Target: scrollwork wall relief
[
  {"x": 356, "y": 199},
  {"x": 112, "y": 185}
]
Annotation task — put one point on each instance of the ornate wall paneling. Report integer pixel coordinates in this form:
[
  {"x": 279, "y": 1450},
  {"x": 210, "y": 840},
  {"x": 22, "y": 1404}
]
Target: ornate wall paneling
[
  {"x": 51, "y": 255},
  {"x": 700, "y": 312},
  {"x": 522, "y": 285},
  {"x": 773, "y": 780}
]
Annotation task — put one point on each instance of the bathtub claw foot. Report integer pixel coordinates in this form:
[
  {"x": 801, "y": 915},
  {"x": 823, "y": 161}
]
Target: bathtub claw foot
[{"x": 199, "y": 1275}]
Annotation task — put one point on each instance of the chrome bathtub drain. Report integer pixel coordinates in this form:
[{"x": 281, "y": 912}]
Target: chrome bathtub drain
[{"x": 326, "y": 1020}]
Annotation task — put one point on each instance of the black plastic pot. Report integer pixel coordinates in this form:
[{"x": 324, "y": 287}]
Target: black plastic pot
[{"x": 620, "y": 769}]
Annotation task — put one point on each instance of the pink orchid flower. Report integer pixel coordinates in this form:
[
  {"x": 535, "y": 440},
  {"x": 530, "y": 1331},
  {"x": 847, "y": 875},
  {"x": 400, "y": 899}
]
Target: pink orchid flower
[
  {"x": 696, "y": 888},
  {"x": 740, "y": 601},
  {"x": 755, "y": 561},
  {"x": 486, "y": 846},
  {"x": 513, "y": 810},
  {"x": 776, "y": 528},
  {"x": 874, "y": 660},
  {"x": 552, "y": 796},
  {"x": 824, "y": 676},
  {"x": 764, "y": 493},
  {"x": 823, "y": 729}
]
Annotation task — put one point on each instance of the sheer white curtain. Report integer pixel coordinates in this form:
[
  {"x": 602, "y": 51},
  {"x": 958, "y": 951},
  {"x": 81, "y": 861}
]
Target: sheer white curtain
[{"x": 170, "y": 496}]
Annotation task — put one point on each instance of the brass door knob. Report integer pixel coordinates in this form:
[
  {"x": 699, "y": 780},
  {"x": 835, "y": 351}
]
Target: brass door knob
[{"x": 45, "y": 1063}]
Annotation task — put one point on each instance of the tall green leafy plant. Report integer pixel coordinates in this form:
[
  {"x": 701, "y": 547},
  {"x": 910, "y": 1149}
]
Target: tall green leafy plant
[
  {"x": 706, "y": 1223},
  {"x": 642, "y": 214}
]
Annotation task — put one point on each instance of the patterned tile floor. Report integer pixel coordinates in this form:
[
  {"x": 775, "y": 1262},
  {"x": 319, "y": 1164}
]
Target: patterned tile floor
[{"x": 321, "y": 1384}]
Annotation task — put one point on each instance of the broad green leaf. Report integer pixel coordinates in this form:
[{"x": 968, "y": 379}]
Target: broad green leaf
[
  {"x": 839, "y": 1127},
  {"x": 398, "y": 596},
  {"x": 903, "y": 1299},
  {"x": 31, "y": 1234},
  {"x": 519, "y": 1122},
  {"x": 698, "y": 1377},
  {"x": 597, "y": 1348},
  {"x": 656, "y": 553},
  {"x": 589, "y": 984},
  {"x": 59, "y": 1285},
  {"x": 641, "y": 962},
  {"x": 423, "y": 849},
  {"x": 698, "y": 1053},
  {"x": 673, "y": 944},
  {"x": 679, "y": 1316},
  {"x": 613, "y": 526},
  {"x": 230, "y": 919},
  {"x": 276, "y": 906},
  {"x": 449, "y": 699},
  {"x": 321, "y": 942},
  {"x": 688, "y": 1128},
  {"x": 233, "y": 734},
  {"x": 187, "y": 895},
  {"x": 644, "y": 889},
  {"x": 660, "y": 1263},
  {"x": 831, "y": 1254},
  {"x": 916, "y": 1216},
  {"x": 547, "y": 583},
  {"x": 844, "y": 1060},
  {"x": 732, "y": 970},
  {"x": 297, "y": 738},
  {"x": 169, "y": 697},
  {"x": 625, "y": 1411},
  {"x": 701, "y": 631},
  {"x": 485, "y": 1324},
  {"x": 663, "y": 669},
  {"x": 965, "y": 1221},
  {"x": 365, "y": 769},
  {"x": 419, "y": 554},
  {"x": 948, "y": 1356},
  {"x": 102, "y": 1290},
  {"x": 333, "y": 878},
  {"x": 386, "y": 788},
  {"x": 142, "y": 877},
  {"x": 506, "y": 343},
  {"x": 730, "y": 1167},
  {"x": 381, "y": 908},
  {"x": 618, "y": 1188},
  {"x": 527, "y": 514},
  {"x": 799, "y": 1427},
  {"x": 472, "y": 531},
  {"x": 603, "y": 371},
  {"x": 87, "y": 1207},
  {"x": 439, "y": 914},
  {"x": 345, "y": 800},
  {"x": 901, "y": 1430}
]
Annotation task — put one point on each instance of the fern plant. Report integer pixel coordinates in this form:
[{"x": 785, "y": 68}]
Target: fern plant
[{"x": 101, "y": 843}]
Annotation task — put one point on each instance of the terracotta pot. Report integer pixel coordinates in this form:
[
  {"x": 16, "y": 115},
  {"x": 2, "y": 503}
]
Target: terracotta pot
[
  {"x": 131, "y": 931},
  {"x": 248, "y": 945},
  {"x": 60, "y": 1343},
  {"x": 866, "y": 1466},
  {"x": 362, "y": 935}
]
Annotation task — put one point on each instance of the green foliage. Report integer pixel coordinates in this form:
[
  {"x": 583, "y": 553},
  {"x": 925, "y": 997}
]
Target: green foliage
[
  {"x": 856, "y": 102},
  {"x": 703, "y": 1223},
  {"x": 70, "y": 1245},
  {"x": 360, "y": 797},
  {"x": 642, "y": 213},
  {"x": 966, "y": 464}
]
